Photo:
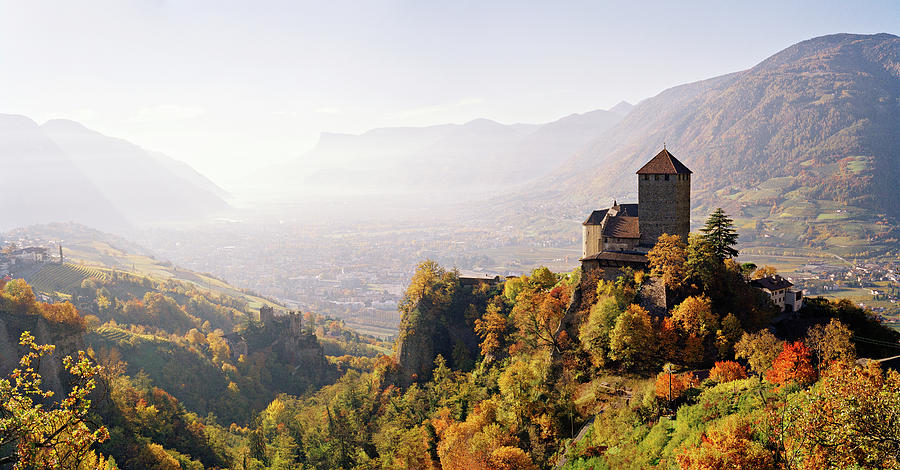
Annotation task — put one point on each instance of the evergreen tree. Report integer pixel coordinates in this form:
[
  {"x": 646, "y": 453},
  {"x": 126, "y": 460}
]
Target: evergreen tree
[{"x": 721, "y": 235}]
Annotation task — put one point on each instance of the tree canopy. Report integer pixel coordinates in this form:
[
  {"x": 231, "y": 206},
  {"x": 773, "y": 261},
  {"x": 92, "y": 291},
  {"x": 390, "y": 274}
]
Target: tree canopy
[
  {"x": 56, "y": 436},
  {"x": 719, "y": 231}
]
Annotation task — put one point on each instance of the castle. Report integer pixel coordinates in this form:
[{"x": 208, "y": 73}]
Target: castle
[{"x": 621, "y": 235}]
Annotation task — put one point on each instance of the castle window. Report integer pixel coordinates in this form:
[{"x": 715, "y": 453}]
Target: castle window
[
  {"x": 656, "y": 177},
  {"x": 667, "y": 177},
  {"x": 646, "y": 177}
]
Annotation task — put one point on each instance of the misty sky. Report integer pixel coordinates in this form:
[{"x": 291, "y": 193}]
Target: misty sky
[{"x": 224, "y": 84}]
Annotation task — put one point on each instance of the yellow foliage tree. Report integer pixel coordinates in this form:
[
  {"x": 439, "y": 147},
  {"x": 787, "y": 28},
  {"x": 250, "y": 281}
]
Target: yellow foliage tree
[
  {"x": 694, "y": 316},
  {"x": 667, "y": 260},
  {"x": 631, "y": 340}
]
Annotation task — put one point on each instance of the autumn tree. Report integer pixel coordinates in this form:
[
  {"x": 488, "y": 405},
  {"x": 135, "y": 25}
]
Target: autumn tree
[
  {"x": 759, "y": 349},
  {"x": 595, "y": 332},
  {"x": 64, "y": 313},
  {"x": 631, "y": 340},
  {"x": 793, "y": 365},
  {"x": 719, "y": 232},
  {"x": 512, "y": 287},
  {"x": 17, "y": 296},
  {"x": 694, "y": 316},
  {"x": 727, "y": 371},
  {"x": 667, "y": 260},
  {"x": 431, "y": 284},
  {"x": 478, "y": 443},
  {"x": 728, "y": 334},
  {"x": 831, "y": 342},
  {"x": 543, "y": 277},
  {"x": 671, "y": 385},
  {"x": 764, "y": 271},
  {"x": 538, "y": 315},
  {"x": 58, "y": 436},
  {"x": 850, "y": 418},
  {"x": 729, "y": 443},
  {"x": 491, "y": 328}
]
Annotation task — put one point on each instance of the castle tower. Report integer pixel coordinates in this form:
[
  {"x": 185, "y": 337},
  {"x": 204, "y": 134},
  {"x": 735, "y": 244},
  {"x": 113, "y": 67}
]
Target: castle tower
[
  {"x": 266, "y": 315},
  {"x": 664, "y": 197}
]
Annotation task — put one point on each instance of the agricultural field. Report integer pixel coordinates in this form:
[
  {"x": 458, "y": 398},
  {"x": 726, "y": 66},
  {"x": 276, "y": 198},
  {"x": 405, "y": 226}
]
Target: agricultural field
[{"x": 64, "y": 278}]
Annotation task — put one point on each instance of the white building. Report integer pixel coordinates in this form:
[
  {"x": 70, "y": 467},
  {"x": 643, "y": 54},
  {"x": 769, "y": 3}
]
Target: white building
[{"x": 781, "y": 292}]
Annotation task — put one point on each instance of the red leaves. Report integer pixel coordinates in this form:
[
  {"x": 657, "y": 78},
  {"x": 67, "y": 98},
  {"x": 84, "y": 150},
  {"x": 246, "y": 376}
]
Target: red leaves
[{"x": 793, "y": 365}]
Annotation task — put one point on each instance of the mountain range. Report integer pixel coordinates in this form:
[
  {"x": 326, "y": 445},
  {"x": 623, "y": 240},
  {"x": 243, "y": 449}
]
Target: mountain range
[
  {"x": 802, "y": 147},
  {"x": 478, "y": 156},
  {"x": 63, "y": 171}
]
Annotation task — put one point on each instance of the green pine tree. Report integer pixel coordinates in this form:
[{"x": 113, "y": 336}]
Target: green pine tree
[{"x": 721, "y": 235}]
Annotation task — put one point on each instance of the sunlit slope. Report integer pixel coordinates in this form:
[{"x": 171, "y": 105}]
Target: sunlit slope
[{"x": 92, "y": 254}]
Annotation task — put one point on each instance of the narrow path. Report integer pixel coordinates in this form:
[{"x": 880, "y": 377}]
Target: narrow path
[
  {"x": 578, "y": 437},
  {"x": 623, "y": 392}
]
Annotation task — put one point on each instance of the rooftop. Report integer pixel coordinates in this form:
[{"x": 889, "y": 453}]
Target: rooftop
[
  {"x": 771, "y": 283},
  {"x": 622, "y": 227},
  {"x": 664, "y": 163},
  {"x": 596, "y": 217},
  {"x": 627, "y": 256}
]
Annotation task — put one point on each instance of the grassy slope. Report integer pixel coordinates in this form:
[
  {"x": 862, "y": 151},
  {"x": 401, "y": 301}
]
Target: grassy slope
[{"x": 99, "y": 258}]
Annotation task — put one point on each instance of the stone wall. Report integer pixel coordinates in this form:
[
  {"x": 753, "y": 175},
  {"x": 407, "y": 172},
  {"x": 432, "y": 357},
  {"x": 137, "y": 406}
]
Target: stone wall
[
  {"x": 590, "y": 239},
  {"x": 619, "y": 244},
  {"x": 665, "y": 206}
]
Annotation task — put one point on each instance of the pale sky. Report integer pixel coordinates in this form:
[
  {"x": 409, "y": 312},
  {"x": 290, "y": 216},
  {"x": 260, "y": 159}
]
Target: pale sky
[{"x": 224, "y": 85}]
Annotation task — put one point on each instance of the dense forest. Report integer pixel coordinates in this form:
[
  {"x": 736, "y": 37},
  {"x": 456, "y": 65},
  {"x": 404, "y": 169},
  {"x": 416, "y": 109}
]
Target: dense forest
[{"x": 547, "y": 370}]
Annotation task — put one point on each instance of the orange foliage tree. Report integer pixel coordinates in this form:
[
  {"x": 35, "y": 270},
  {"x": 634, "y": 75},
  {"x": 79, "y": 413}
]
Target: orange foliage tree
[
  {"x": 64, "y": 313},
  {"x": 793, "y": 365},
  {"x": 849, "y": 419},
  {"x": 728, "y": 444},
  {"x": 538, "y": 315},
  {"x": 680, "y": 383},
  {"x": 727, "y": 371},
  {"x": 479, "y": 443},
  {"x": 491, "y": 327}
]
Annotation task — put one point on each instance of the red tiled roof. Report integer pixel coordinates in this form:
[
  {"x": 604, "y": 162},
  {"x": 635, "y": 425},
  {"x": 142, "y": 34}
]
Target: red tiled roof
[
  {"x": 622, "y": 227},
  {"x": 664, "y": 163}
]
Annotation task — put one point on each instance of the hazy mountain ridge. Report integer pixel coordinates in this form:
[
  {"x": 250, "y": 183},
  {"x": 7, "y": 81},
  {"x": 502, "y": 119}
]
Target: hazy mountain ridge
[
  {"x": 135, "y": 181},
  {"x": 480, "y": 155},
  {"x": 37, "y": 173},
  {"x": 62, "y": 171}
]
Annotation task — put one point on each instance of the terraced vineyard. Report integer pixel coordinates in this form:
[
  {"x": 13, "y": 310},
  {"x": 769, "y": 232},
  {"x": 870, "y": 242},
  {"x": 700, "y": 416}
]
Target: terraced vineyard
[
  {"x": 112, "y": 335},
  {"x": 64, "y": 278}
]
